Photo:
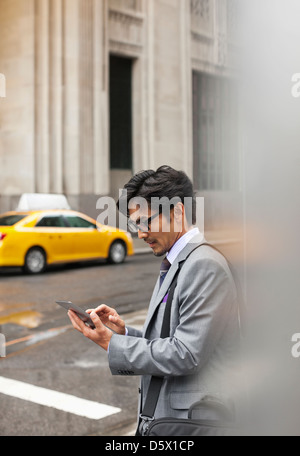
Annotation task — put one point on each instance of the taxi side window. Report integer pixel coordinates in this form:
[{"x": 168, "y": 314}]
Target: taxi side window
[
  {"x": 77, "y": 222},
  {"x": 51, "y": 222}
]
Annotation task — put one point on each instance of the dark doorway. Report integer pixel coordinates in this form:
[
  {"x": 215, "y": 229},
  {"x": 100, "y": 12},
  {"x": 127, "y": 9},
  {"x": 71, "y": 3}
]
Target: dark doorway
[{"x": 120, "y": 113}]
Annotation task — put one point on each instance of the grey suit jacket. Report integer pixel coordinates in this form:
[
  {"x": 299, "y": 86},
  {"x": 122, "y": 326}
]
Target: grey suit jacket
[{"x": 199, "y": 356}]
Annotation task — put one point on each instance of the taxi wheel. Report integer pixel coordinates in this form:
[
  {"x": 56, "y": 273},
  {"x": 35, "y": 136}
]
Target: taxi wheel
[
  {"x": 35, "y": 261},
  {"x": 117, "y": 253}
]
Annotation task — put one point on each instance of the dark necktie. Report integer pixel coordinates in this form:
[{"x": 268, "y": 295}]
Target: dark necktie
[{"x": 165, "y": 266}]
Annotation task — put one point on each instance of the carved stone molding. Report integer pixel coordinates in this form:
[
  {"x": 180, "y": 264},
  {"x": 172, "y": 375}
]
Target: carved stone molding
[
  {"x": 134, "y": 5},
  {"x": 126, "y": 17},
  {"x": 201, "y": 16},
  {"x": 201, "y": 8},
  {"x": 126, "y": 31},
  {"x": 201, "y": 37}
]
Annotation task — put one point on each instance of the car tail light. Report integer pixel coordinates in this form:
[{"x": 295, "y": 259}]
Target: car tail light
[{"x": 2, "y": 236}]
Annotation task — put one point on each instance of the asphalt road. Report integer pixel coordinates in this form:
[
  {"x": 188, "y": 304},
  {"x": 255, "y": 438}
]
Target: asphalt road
[{"x": 49, "y": 368}]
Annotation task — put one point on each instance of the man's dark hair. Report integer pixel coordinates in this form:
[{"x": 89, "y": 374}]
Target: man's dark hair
[{"x": 166, "y": 182}]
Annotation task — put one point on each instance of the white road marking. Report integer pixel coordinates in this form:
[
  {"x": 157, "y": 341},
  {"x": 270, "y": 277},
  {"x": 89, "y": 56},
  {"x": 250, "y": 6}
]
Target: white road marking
[{"x": 55, "y": 399}]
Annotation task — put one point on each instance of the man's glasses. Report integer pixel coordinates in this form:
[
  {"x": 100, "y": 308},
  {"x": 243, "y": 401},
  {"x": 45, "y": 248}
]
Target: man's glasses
[{"x": 143, "y": 224}]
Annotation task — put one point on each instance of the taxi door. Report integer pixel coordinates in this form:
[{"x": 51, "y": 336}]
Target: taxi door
[
  {"x": 88, "y": 242},
  {"x": 54, "y": 235}
]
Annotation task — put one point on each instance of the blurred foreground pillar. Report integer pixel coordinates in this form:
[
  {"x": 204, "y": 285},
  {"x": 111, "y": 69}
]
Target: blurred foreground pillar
[{"x": 271, "y": 141}]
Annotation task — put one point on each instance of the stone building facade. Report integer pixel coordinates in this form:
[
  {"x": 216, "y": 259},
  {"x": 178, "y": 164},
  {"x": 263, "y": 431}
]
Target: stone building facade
[{"x": 100, "y": 89}]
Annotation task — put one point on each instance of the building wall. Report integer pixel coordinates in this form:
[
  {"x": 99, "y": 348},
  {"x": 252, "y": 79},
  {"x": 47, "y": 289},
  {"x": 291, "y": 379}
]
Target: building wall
[
  {"x": 17, "y": 116},
  {"x": 54, "y": 134}
]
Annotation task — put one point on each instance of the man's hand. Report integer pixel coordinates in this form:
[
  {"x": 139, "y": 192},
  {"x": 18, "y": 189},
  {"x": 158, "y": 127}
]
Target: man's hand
[
  {"x": 110, "y": 318},
  {"x": 100, "y": 335}
]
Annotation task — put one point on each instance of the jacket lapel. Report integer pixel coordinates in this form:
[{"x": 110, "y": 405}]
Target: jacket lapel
[{"x": 160, "y": 293}]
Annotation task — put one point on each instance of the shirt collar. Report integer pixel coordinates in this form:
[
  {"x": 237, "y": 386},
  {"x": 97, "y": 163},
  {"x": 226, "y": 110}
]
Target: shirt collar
[{"x": 181, "y": 243}]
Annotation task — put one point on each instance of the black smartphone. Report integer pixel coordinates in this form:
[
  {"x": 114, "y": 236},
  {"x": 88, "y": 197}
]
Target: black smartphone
[{"x": 79, "y": 312}]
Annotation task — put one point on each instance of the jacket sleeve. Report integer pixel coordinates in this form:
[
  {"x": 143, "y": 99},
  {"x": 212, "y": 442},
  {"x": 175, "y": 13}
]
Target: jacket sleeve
[
  {"x": 206, "y": 295},
  {"x": 134, "y": 332}
]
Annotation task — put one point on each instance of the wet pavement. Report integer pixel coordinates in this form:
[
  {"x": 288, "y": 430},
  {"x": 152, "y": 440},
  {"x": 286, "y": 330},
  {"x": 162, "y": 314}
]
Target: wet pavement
[
  {"x": 45, "y": 354},
  {"x": 46, "y": 358},
  {"x": 29, "y": 302}
]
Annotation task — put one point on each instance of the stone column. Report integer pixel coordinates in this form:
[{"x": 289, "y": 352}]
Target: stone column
[
  {"x": 100, "y": 97},
  {"x": 86, "y": 96},
  {"x": 42, "y": 96},
  {"x": 17, "y": 169},
  {"x": 169, "y": 140},
  {"x": 71, "y": 106},
  {"x": 55, "y": 92},
  {"x": 186, "y": 87},
  {"x": 151, "y": 85}
]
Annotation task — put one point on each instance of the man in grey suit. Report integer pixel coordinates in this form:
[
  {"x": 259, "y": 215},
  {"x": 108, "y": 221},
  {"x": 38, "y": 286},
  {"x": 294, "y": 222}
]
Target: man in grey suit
[{"x": 198, "y": 358}]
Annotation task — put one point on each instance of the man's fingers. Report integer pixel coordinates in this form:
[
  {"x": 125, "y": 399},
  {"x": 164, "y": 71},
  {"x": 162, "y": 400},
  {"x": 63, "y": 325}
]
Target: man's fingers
[
  {"x": 116, "y": 319},
  {"x": 100, "y": 335},
  {"x": 75, "y": 320},
  {"x": 103, "y": 308},
  {"x": 104, "y": 312},
  {"x": 105, "y": 315},
  {"x": 96, "y": 320},
  {"x": 117, "y": 324},
  {"x": 113, "y": 323}
]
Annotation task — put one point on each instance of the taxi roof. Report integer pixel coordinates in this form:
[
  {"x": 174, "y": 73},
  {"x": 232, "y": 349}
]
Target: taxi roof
[
  {"x": 42, "y": 201},
  {"x": 40, "y": 211}
]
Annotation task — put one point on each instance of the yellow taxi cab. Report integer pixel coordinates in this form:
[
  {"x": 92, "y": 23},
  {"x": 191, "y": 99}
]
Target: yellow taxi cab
[{"x": 35, "y": 239}]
